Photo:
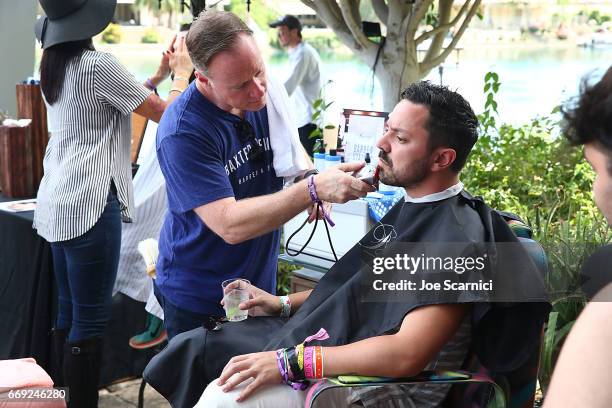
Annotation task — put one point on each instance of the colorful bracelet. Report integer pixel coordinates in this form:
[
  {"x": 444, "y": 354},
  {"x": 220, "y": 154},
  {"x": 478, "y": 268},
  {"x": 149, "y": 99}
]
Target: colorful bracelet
[
  {"x": 285, "y": 306},
  {"x": 312, "y": 190},
  {"x": 282, "y": 368},
  {"x": 298, "y": 364}
]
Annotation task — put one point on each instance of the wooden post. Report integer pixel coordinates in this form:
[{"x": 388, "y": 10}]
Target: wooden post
[
  {"x": 30, "y": 105},
  {"x": 16, "y": 161}
]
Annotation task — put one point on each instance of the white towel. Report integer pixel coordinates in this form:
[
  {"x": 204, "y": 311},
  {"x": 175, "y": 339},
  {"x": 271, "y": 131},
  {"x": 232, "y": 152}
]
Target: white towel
[{"x": 290, "y": 159}]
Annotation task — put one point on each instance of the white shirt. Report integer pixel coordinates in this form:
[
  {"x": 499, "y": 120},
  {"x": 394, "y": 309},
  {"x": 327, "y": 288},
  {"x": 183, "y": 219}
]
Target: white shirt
[
  {"x": 440, "y": 195},
  {"x": 304, "y": 82},
  {"x": 89, "y": 147}
]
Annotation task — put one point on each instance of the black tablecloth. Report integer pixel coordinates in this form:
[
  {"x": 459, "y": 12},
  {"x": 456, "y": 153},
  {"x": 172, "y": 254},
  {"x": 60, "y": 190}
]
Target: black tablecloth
[{"x": 28, "y": 304}]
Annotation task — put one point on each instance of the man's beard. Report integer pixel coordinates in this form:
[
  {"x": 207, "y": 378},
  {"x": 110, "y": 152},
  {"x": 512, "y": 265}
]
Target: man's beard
[{"x": 417, "y": 172}]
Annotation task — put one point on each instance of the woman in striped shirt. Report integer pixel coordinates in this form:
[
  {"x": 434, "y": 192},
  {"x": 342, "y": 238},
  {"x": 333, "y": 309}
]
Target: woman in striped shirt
[{"x": 86, "y": 190}]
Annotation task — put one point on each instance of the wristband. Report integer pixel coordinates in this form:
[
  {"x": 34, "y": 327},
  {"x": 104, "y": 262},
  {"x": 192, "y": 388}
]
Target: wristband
[
  {"x": 285, "y": 306},
  {"x": 312, "y": 190},
  {"x": 149, "y": 84},
  {"x": 281, "y": 359}
]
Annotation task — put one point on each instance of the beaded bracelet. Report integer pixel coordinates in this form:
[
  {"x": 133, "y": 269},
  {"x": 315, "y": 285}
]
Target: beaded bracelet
[{"x": 285, "y": 306}]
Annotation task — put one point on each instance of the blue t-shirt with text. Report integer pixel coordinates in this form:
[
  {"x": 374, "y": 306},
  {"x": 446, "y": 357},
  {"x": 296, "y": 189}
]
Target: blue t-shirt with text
[{"x": 204, "y": 159}]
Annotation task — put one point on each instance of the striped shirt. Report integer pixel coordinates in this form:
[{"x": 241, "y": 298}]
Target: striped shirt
[{"x": 89, "y": 147}]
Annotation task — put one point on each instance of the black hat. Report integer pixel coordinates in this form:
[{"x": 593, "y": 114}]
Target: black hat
[
  {"x": 291, "y": 22},
  {"x": 72, "y": 20}
]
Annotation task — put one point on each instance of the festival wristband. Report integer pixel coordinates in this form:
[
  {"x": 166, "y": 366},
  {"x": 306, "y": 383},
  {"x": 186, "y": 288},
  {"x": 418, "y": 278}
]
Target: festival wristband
[
  {"x": 319, "y": 362},
  {"x": 299, "y": 350},
  {"x": 308, "y": 368},
  {"x": 285, "y": 306},
  {"x": 312, "y": 190},
  {"x": 297, "y": 374}
]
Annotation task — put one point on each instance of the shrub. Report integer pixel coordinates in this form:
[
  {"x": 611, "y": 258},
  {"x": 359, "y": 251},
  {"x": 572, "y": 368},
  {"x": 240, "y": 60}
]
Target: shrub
[
  {"x": 532, "y": 171},
  {"x": 150, "y": 36},
  {"x": 112, "y": 34}
]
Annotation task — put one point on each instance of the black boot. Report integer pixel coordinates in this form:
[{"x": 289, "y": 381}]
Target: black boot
[
  {"x": 82, "y": 361},
  {"x": 58, "y": 338}
]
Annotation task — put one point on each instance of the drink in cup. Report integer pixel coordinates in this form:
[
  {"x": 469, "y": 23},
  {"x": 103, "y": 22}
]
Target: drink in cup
[{"x": 235, "y": 291}]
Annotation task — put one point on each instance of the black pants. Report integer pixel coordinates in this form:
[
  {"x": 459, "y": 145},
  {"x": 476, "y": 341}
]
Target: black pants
[{"x": 307, "y": 142}]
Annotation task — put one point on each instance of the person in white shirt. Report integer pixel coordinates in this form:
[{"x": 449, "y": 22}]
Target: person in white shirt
[{"x": 304, "y": 82}]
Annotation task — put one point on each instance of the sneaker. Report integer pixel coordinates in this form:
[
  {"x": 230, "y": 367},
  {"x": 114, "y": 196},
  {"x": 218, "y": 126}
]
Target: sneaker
[{"x": 153, "y": 335}]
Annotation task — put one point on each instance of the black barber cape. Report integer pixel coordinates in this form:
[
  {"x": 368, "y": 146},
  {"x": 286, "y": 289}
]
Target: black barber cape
[{"x": 182, "y": 371}]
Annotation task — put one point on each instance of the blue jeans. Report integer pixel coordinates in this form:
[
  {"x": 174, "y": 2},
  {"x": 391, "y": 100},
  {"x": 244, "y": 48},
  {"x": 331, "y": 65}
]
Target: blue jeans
[
  {"x": 176, "y": 319},
  {"x": 85, "y": 270}
]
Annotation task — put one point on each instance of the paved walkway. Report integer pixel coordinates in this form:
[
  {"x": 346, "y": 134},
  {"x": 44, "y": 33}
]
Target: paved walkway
[{"x": 125, "y": 395}]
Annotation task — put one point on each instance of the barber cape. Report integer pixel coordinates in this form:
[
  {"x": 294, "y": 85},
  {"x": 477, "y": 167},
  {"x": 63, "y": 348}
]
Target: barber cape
[{"x": 192, "y": 359}]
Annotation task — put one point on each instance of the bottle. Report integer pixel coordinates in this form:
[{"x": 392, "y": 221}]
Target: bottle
[
  {"x": 319, "y": 161},
  {"x": 332, "y": 159}
]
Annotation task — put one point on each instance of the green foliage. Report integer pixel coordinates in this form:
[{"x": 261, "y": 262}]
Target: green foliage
[
  {"x": 283, "y": 275},
  {"x": 150, "y": 36},
  {"x": 532, "y": 171},
  {"x": 112, "y": 34},
  {"x": 260, "y": 12},
  {"x": 598, "y": 17},
  {"x": 319, "y": 107}
]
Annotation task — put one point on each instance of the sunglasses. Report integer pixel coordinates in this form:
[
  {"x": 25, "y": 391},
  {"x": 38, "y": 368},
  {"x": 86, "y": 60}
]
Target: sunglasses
[{"x": 246, "y": 133}]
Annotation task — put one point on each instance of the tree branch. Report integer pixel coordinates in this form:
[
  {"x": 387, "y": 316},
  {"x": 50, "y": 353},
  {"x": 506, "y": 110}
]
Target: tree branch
[
  {"x": 347, "y": 7},
  {"x": 444, "y": 12},
  {"x": 330, "y": 13},
  {"x": 419, "y": 11},
  {"x": 381, "y": 10},
  {"x": 443, "y": 27},
  {"x": 428, "y": 63}
]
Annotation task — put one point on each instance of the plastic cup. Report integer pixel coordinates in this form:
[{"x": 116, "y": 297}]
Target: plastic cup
[{"x": 235, "y": 291}]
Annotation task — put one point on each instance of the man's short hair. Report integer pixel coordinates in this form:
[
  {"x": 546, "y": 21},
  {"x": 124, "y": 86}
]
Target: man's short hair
[
  {"x": 211, "y": 33},
  {"x": 451, "y": 123},
  {"x": 588, "y": 117}
]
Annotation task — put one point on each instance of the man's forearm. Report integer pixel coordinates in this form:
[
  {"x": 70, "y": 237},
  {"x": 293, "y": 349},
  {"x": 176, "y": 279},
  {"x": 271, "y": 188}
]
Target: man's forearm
[
  {"x": 382, "y": 356},
  {"x": 298, "y": 299},
  {"x": 251, "y": 217}
]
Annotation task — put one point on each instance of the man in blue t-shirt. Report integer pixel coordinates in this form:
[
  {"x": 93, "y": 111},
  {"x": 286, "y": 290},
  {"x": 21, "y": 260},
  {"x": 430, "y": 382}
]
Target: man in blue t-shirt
[{"x": 225, "y": 202}]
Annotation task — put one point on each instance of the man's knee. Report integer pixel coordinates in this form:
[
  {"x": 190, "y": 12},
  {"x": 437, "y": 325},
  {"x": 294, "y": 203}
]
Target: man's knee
[
  {"x": 271, "y": 396},
  {"x": 214, "y": 397}
]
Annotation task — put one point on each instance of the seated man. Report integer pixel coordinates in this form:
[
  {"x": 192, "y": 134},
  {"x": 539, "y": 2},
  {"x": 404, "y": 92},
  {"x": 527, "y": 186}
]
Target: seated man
[
  {"x": 427, "y": 141},
  {"x": 582, "y": 375}
]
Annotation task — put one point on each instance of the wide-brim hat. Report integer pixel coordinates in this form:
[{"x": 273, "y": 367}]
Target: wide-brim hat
[{"x": 72, "y": 20}]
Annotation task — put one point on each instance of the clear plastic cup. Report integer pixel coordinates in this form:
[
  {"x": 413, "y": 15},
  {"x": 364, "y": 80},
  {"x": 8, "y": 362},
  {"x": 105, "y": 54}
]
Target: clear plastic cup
[{"x": 235, "y": 291}]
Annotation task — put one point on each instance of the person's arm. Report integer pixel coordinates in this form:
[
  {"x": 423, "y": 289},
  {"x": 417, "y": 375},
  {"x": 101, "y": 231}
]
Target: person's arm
[
  {"x": 423, "y": 333},
  {"x": 262, "y": 303},
  {"x": 177, "y": 61},
  {"x": 299, "y": 69},
  {"x": 582, "y": 376},
  {"x": 236, "y": 221},
  {"x": 425, "y": 330}
]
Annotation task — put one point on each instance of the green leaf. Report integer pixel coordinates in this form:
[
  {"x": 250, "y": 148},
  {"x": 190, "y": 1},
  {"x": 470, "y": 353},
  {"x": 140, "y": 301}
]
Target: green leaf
[
  {"x": 316, "y": 115},
  {"x": 495, "y": 76},
  {"x": 487, "y": 87},
  {"x": 496, "y": 87},
  {"x": 488, "y": 76},
  {"x": 317, "y": 103},
  {"x": 328, "y": 105}
]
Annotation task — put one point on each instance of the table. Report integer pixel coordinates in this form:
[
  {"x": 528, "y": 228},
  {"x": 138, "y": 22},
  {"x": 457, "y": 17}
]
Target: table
[{"x": 28, "y": 304}]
